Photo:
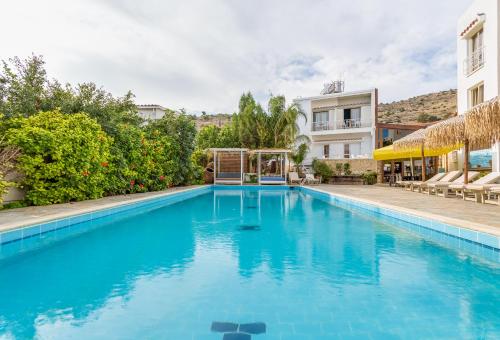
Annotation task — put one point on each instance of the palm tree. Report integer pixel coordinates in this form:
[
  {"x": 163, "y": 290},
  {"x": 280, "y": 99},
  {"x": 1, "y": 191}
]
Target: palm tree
[{"x": 285, "y": 127}]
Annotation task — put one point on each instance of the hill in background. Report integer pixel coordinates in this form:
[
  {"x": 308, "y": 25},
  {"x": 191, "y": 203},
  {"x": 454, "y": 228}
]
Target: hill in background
[
  {"x": 219, "y": 119},
  {"x": 421, "y": 109}
]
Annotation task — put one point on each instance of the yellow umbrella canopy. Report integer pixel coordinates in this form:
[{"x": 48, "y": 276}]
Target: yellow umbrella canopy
[
  {"x": 413, "y": 140},
  {"x": 389, "y": 152},
  {"x": 482, "y": 124}
]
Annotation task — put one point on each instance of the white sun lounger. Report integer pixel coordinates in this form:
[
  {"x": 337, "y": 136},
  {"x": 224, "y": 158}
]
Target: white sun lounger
[
  {"x": 442, "y": 188},
  {"x": 408, "y": 185},
  {"x": 294, "y": 178},
  {"x": 311, "y": 180},
  {"x": 495, "y": 191},
  {"x": 449, "y": 177},
  {"x": 479, "y": 188}
]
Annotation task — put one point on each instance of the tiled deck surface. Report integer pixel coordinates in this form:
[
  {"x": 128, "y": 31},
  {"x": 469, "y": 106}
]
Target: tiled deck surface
[
  {"x": 465, "y": 214},
  {"x": 15, "y": 218}
]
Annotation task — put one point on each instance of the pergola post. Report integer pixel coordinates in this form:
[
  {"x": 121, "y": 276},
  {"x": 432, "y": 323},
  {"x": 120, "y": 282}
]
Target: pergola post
[
  {"x": 286, "y": 172},
  {"x": 215, "y": 167},
  {"x": 258, "y": 168},
  {"x": 241, "y": 166}
]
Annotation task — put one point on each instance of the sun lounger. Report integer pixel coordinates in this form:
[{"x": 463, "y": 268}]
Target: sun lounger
[
  {"x": 294, "y": 178},
  {"x": 408, "y": 185},
  {"x": 442, "y": 188},
  {"x": 479, "y": 188},
  {"x": 495, "y": 192},
  {"x": 448, "y": 177},
  {"x": 311, "y": 180}
]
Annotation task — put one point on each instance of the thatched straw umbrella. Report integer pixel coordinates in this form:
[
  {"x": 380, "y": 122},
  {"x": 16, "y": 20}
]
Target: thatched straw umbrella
[
  {"x": 482, "y": 123},
  {"x": 413, "y": 140},
  {"x": 450, "y": 132}
]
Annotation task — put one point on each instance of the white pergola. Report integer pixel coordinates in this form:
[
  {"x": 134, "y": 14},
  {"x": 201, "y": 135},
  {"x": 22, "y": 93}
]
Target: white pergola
[
  {"x": 283, "y": 159},
  {"x": 228, "y": 177}
]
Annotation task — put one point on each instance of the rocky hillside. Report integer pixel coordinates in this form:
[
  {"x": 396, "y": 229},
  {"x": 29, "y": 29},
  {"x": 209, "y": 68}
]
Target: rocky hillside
[
  {"x": 219, "y": 119},
  {"x": 421, "y": 109}
]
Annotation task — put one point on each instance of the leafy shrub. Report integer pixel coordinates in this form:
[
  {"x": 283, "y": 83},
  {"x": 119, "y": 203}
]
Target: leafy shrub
[
  {"x": 338, "y": 168},
  {"x": 425, "y": 118},
  {"x": 322, "y": 169},
  {"x": 63, "y": 157},
  {"x": 347, "y": 169},
  {"x": 369, "y": 177}
]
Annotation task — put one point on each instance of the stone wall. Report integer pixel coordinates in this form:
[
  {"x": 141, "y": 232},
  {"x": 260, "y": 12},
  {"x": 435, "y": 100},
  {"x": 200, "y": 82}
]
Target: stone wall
[{"x": 358, "y": 166}]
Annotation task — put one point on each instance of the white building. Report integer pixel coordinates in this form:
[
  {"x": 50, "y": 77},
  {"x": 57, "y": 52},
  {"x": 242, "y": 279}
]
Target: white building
[
  {"x": 151, "y": 111},
  {"x": 340, "y": 125},
  {"x": 478, "y": 45}
]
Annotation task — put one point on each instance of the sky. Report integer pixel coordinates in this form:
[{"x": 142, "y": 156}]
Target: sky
[{"x": 201, "y": 55}]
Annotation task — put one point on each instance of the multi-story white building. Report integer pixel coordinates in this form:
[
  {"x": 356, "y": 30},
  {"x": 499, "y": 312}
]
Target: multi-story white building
[
  {"x": 478, "y": 45},
  {"x": 340, "y": 125},
  {"x": 151, "y": 111}
]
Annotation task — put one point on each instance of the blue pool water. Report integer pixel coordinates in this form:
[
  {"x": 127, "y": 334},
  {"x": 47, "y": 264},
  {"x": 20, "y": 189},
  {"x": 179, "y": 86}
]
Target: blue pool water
[{"x": 307, "y": 269}]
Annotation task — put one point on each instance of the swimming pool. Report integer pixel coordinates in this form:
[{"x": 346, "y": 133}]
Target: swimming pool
[{"x": 305, "y": 268}]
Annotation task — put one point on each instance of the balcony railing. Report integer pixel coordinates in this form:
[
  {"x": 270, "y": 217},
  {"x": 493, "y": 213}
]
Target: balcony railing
[
  {"x": 343, "y": 124},
  {"x": 474, "y": 62}
]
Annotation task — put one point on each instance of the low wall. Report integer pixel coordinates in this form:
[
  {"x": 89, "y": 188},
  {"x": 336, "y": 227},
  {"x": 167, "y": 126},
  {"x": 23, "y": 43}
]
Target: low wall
[
  {"x": 358, "y": 166},
  {"x": 13, "y": 193}
]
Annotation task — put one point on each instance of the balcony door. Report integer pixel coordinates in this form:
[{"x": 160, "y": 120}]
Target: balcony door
[{"x": 352, "y": 118}]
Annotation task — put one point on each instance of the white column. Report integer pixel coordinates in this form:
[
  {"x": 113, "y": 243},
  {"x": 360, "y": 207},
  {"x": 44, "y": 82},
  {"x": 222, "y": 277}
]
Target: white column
[{"x": 496, "y": 156}]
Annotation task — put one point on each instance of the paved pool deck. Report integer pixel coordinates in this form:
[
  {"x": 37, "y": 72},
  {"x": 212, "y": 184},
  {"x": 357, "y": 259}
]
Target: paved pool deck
[
  {"x": 454, "y": 211},
  {"x": 21, "y": 217}
]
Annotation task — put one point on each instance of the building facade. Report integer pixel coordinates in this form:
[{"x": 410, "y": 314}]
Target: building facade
[
  {"x": 478, "y": 45},
  {"x": 340, "y": 126},
  {"x": 151, "y": 111}
]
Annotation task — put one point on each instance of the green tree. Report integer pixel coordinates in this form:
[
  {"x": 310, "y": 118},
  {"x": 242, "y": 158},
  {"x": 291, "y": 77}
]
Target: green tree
[
  {"x": 208, "y": 137},
  {"x": 182, "y": 130},
  {"x": 22, "y": 86},
  {"x": 299, "y": 154}
]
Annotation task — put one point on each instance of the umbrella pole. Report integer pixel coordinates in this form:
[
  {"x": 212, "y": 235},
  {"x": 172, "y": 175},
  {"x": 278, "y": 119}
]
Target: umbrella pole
[
  {"x": 411, "y": 168},
  {"x": 466, "y": 161},
  {"x": 423, "y": 165}
]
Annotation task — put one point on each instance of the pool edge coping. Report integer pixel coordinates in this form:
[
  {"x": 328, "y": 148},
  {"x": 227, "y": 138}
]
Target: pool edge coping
[
  {"x": 467, "y": 226},
  {"x": 88, "y": 210}
]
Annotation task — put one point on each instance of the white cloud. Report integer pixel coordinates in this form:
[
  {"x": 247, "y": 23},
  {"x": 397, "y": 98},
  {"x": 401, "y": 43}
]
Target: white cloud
[{"x": 201, "y": 55}]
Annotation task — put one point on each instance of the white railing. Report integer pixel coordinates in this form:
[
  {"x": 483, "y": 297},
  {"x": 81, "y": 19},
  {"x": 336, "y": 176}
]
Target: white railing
[
  {"x": 343, "y": 124},
  {"x": 474, "y": 62}
]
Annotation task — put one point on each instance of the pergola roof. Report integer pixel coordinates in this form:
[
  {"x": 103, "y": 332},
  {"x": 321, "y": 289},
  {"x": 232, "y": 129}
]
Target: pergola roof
[
  {"x": 228, "y": 149},
  {"x": 271, "y": 151}
]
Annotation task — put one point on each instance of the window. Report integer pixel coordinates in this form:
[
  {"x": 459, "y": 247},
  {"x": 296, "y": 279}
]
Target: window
[
  {"x": 476, "y": 95},
  {"x": 320, "y": 121},
  {"x": 475, "y": 53},
  {"x": 477, "y": 42},
  {"x": 326, "y": 151},
  {"x": 347, "y": 153}
]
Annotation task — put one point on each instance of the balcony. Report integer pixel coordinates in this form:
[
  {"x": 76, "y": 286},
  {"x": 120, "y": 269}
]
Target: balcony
[
  {"x": 474, "y": 62},
  {"x": 340, "y": 125}
]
